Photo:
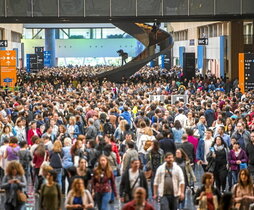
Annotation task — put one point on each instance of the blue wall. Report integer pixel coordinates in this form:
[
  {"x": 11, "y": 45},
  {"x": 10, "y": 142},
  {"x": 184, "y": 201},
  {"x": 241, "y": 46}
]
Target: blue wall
[{"x": 181, "y": 51}]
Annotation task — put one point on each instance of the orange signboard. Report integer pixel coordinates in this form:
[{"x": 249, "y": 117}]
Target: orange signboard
[
  {"x": 241, "y": 71},
  {"x": 8, "y": 58},
  {"x": 8, "y": 76}
]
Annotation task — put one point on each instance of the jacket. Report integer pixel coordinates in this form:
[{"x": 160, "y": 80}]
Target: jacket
[
  {"x": 188, "y": 148},
  {"x": 167, "y": 145},
  {"x": 67, "y": 158},
  {"x": 131, "y": 206},
  {"x": 55, "y": 160},
  {"x": 177, "y": 178},
  {"x": 127, "y": 116},
  {"x": 250, "y": 153},
  {"x": 128, "y": 155},
  {"x": 201, "y": 129},
  {"x": 245, "y": 136},
  {"x": 30, "y": 134},
  {"x": 86, "y": 198},
  {"x": 10, "y": 189},
  {"x": 210, "y": 117},
  {"x": 125, "y": 187},
  {"x": 232, "y": 159}
]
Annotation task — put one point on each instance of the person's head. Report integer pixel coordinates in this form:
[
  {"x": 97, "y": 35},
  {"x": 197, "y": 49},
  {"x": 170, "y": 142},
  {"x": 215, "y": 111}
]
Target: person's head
[
  {"x": 51, "y": 176},
  {"x": 130, "y": 144},
  {"x": 244, "y": 178},
  {"x": 103, "y": 165},
  {"x": 78, "y": 186},
  {"x": 190, "y": 115},
  {"x": 221, "y": 130},
  {"x": 135, "y": 163},
  {"x": 45, "y": 169},
  {"x": 91, "y": 121},
  {"x": 184, "y": 137},
  {"x": 128, "y": 137},
  {"x": 35, "y": 139},
  {"x": 236, "y": 146},
  {"x": 139, "y": 195},
  {"x": 240, "y": 127},
  {"x": 62, "y": 129},
  {"x": 14, "y": 168},
  {"x": 181, "y": 154},
  {"x": 177, "y": 124},
  {"x": 57, "y": 146},
  {"x": 189, "y": 131},
  {"x": 6, "y": 129},
  {"x": 169, "y": 158},
  {"x": 219, "y": 141},
  {"x": 72, "y": 171},
  {"x": 209, "y": 134},
  {"x": 13, "y": 140},
  {"x": 33, "y": 125},
  {"x": 202, "y": 119},
  {"x": 82, "y": 163},
  {"x": 72, "y": 120},
  {"x": 67, "y": 142},
  {"x": 23, "y": 144},
  {"x": 208, "y": 179}
]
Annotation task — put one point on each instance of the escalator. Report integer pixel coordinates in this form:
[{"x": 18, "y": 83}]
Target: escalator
[{"x": 142, "y": 32}]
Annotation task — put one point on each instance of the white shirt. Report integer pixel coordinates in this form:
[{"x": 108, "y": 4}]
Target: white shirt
[
  {"x": 182, "y": 119},
  {"x": 3, "y": 161},
  {"x": 133, "y": 177},
  {"x": 208, "y": 143}
]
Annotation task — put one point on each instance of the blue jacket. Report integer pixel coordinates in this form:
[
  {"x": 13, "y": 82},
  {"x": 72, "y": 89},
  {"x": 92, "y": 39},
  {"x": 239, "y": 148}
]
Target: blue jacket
[
  {"x": 201, "y": 129},
  {"x": 210, "y": 117},
  {"x": 67, "y": 158},
  {"x": 127, "y": 116}
]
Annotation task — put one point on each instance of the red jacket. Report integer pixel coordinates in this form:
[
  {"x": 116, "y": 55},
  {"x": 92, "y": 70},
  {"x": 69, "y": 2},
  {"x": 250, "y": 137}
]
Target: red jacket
[
  {"x": 115, "y": 150},
  {"x": 38, "y": 160},
  {"x": 30, "y": 134},
  {"x": 131, "y": 206}
]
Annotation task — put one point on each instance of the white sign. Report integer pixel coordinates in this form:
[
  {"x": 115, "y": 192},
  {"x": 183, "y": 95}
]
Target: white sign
[
  {"x": 175, "y": 98},
  {"x": 158, "y": 98}
]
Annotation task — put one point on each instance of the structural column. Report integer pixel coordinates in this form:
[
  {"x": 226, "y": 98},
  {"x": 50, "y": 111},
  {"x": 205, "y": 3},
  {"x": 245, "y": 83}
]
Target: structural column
[
  {"x": 50, "y": 45},
  {"x": 237, "y": 46}
]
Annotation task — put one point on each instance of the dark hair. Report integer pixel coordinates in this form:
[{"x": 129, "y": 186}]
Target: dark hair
[
  {"x": 206, "y": 176},
  {"x": 34, "y": 139},
  {"x": 177, "y": 125},
  {"x": 189, "y": 131},
  {"x": 222, "y": 141},
  {"x": 54, "y": 174},
  {"x": 156, "y": 146},
  {"x": 134, "y": 159},
  {"x": 92, "y": 143},
  {"x": 13, "y": 140},
  {"x": 22, "y": 144},
  {"x": 168, "y": 154},
  {"x": 72, "y": 170},
  {"x": 130, "y": 144}
]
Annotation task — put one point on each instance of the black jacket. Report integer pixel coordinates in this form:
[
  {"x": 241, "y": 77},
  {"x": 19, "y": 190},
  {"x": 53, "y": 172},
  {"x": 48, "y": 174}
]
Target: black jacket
[
  {"x": 167, "y": 145},
  {"x": 250, "y": 153},
  {"x": 125, "y": 187},
  {"x": 188, "y": 148}
]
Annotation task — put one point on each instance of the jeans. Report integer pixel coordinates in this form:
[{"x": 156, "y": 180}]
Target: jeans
[
  {"x": 232, "y": 178},
  {"x": 143, "y": 159},
  {"x": 59, "y": 176},
  {"x": 102, "y": 200},
  {"x": 169, "y": 202}
]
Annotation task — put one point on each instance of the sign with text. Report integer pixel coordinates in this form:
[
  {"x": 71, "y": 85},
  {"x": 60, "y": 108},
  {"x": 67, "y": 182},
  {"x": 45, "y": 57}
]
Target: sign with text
[
  {"x": 158, "y": 98},
  {"x": 8, "y": 76},
  {"x": 203, "y": 41},
  {"x": 246, "y": 71}
]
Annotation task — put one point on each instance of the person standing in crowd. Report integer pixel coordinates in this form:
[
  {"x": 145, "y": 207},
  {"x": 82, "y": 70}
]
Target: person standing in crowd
[
  {"x": 219, "y": 155},
  {"x": 12, "y": 150},
  {"x": 14, "y": 183},
  {"x": 201, "y": 126},
  {"x": 204, "y": 148},
  {"x": 72, "y": 128},
  {"x": 33, "y": 131},
  {"x": 236, "y": 158},
  {"x": 25, "y": 157},
  {"x": 50, "y": 196},
  {"x": 209, "y": 115},
  {"x": 55, "y": 160},
  {"x": 77, "y": 152},
  {"x": 103, "y": 183},
  {"x": 166, "y": 142},
  {"x": 192, "y": 140},
  {"x": 7, "y": 133},
  {"x": 130, "y": 153},
  {"x": 20, "y": 130},
  {"x": 84, "y": 172},
  {"x": 178, "y": 132},
  {"x": 225, "y": 137},
  {"x": 241, "y": 135},
  {"x": 169, "y": 183},
  {"x": 139, "y": 201},
  {"x": 79, "y": 198},
  {"x": 3, "y": 161},
  {"x": 243, "y": 191},
  {"x": 207, "y": 197},
  {"x": 188, "y": 148},
  {"x": 131, "y": 179}
]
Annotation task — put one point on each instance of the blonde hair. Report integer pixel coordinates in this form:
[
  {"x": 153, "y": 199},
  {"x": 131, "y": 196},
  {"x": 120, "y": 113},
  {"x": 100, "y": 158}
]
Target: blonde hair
[
  {"x": 74, "y": 190},
  {"x": 148, "y": 131},
  {"x": 72, "y": 118},
  {"x": 122, "y": 125},
  {"x": 57, "y": 147},
  {"x": 67, "y": 141}
]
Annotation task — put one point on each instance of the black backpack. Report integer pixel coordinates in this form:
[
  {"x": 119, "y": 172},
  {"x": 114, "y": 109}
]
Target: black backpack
[{"x": 108, "y": 128}]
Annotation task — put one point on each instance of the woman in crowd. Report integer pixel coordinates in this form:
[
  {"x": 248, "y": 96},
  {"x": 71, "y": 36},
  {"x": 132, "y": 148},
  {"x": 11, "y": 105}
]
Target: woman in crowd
[
  {"x": 62, "y": 134},
  {"x": 72, "y": 128},
  {"x": 178, "y": 132},
  {"x": 14, "y": 183},
  {"x": 77, "y": 152},
  {"x": 219, "y": 154},
  {"x": 243, "y": 191},
  {"x": 190, "y": 122},
  {"x": 120, "y": 130},
  {"x": 7, "y": 133},
  {"x": 84, "y": 172},
  {"x": 79, "y": 198},
  {"x": 103, "y": 183},
  {"x": 20, "y": 129},
  {"x": 207, "y": 197},
  {"x": 33, "y": 131},
  {"x": 50, "y": 196},
  {"x": 55, "y": 160},
  {"x": 66, "y": 161}
]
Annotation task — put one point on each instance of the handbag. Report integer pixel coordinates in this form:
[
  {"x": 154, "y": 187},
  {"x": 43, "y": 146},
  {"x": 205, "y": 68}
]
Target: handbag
[
  {"x": 22, "y": 197},
  {"x": 44, "y": 163}
]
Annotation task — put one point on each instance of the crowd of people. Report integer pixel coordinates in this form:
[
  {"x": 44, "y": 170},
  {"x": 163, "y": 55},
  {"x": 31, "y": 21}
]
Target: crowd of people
[{"x": 72, "y": 137}]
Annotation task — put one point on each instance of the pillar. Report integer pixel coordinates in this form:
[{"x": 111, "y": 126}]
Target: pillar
[
  {"x": 236, "y": 47},
  {"x": 50, "y": 45}
]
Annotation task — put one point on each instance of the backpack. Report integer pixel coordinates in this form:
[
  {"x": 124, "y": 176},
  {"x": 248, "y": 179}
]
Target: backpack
[{"x": 24, "y": 158}]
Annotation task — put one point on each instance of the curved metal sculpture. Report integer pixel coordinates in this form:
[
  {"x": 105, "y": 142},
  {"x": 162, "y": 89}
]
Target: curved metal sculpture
[{"x": 150, "y": 39}]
